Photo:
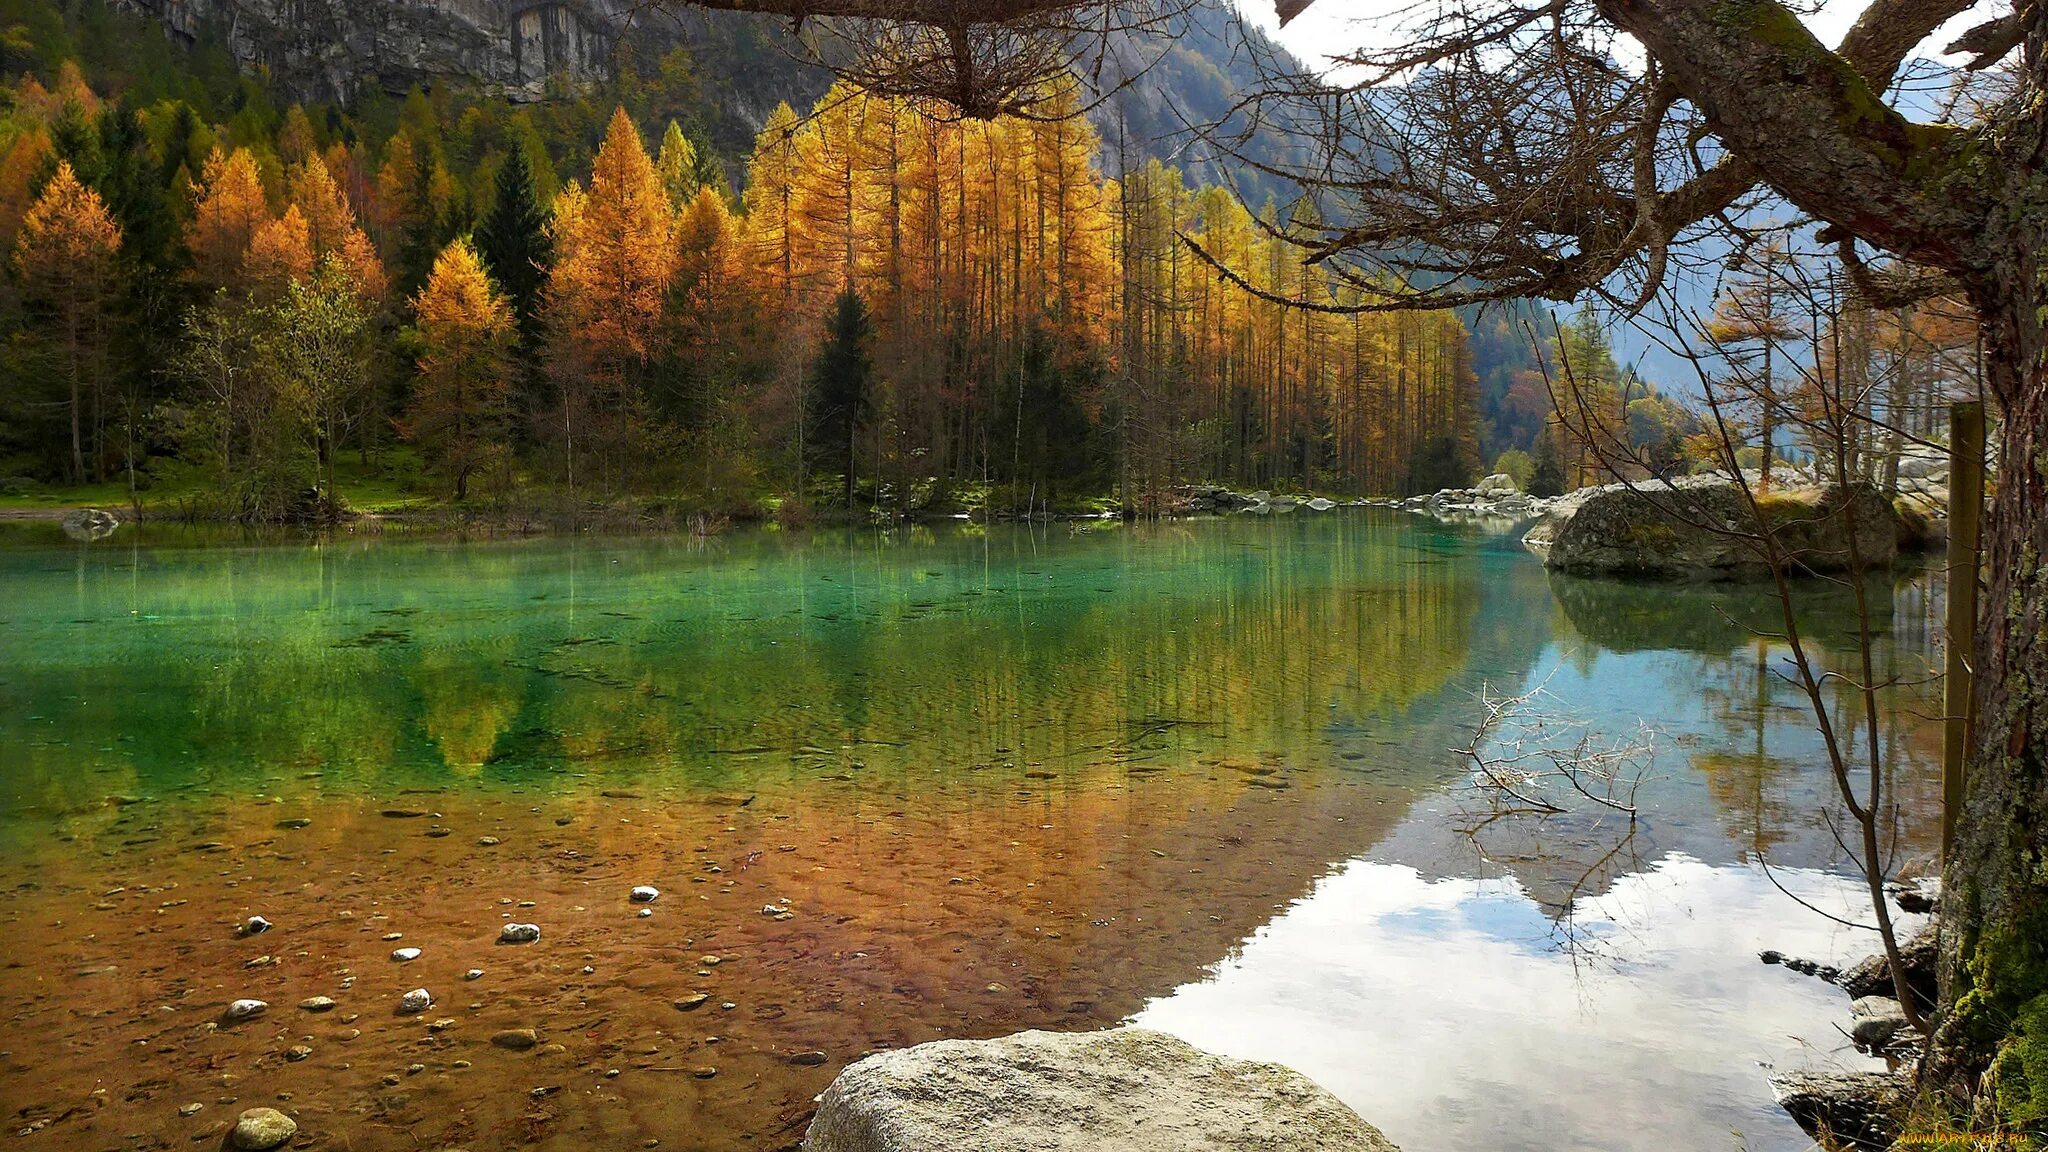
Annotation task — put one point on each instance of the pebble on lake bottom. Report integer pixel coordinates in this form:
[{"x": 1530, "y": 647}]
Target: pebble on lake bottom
[
  {"x": 261, "y": 1129},
  {"x": 645, "y": 894},
  {"x": 317, "y": 1004},
  {"x": 518, "y": 933},
  {"x": 405, "y": 955},
  {"x": 242, "y": 1010},
  {"x": 473, "y": 974},
  {"x": 414, "y": 1002}
]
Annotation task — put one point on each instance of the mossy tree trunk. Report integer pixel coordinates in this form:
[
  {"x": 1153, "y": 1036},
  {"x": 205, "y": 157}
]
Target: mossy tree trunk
[
  {"x": 1974, "y": 203},
  {"x": 1991, "y": 1048}
]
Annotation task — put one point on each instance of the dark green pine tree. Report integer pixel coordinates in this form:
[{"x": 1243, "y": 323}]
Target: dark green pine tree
[
  {"x": 424, "y": 234},
  {"x": 842, "y": 388},
  {"x": 513, "y": 243},
  {"x": 74, "y": 139},
  {"x": 1548, "y": 479}
]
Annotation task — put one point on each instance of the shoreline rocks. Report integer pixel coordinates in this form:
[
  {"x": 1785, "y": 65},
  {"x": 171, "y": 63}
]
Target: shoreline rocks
[
  {"x": 1700, "y": 527},
  {"x": 1860, "y": 1109},
  {"x": 1854, "y": 1109},
  {"x": 1130, "y": 1089}
]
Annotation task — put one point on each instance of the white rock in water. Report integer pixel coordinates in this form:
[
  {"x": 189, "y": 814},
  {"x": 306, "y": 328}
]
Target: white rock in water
[
  {"x": 646, "y": 894},
  {"x": 473, "y": 974},
  {"x": 405, "y": 955},
  {"x": 1321, "y": 505},
  {"x": 261, "y": 1129},
  {"x": 253, "y": 926},
  {"x": 416, "y": 1001},
  {"x": 518, "y": 933},
  {"x": 242, "y": 1010},
  {"x": 1129, "y": 1089}
]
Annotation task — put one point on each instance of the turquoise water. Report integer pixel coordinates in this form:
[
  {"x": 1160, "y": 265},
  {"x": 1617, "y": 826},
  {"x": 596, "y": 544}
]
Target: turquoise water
[{"x": 1287, "y": 691}]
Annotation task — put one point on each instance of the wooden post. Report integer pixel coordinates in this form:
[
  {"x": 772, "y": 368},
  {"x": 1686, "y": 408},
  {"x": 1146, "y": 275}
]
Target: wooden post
[{"x": 1965, "y": 509}]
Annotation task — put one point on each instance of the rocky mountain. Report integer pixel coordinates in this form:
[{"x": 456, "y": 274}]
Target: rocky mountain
[{"x": 329, "y": 50}]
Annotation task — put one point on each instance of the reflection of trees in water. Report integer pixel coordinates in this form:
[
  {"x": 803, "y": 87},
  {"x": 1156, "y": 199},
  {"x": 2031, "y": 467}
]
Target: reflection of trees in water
[
  {"x": 1751, "y": 763},
  {"x": 382, "y": 665}
]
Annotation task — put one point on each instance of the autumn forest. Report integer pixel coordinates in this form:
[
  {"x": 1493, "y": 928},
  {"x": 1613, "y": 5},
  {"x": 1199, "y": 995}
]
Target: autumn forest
[{"x": 881, "y": 307}]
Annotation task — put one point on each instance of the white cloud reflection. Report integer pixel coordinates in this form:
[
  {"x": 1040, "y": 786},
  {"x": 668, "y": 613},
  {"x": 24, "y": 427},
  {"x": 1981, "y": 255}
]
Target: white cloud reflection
[{"x": 1447, "y": 1015}]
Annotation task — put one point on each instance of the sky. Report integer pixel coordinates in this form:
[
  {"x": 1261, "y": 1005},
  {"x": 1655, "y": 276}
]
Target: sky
[{"x": 1331, "y": 26}]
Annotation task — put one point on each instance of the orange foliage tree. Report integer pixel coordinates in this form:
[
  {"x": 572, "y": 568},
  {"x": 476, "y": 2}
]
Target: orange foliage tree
[
  {"x": 229, "y": 208},
  {"x": 461, "y": 401},
  {"x": 606, "y": 298},
  {"x": 66, "y": 256}
]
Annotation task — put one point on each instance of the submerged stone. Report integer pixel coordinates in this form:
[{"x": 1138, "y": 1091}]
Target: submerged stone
[{"x": 261, "y": 1129}]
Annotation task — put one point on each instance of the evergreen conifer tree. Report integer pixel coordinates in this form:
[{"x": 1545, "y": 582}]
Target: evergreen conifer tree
[{"x": 842, "y": 387}]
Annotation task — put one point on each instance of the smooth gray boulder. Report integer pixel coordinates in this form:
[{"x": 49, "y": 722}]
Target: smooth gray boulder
[
  {"x": 1130, "y": 1089},
  {"x": 1877, "y": 1019},
  {"x": 89, "y": 523},
  {"x": 261, "y": 1129},
  {"x": 1701, "y": 528}
]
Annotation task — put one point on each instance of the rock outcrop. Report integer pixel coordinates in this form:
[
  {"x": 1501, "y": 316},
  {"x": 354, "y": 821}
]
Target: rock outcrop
[
  {"x": 1701, "y": 528},
  {"x": 1873, "y": 976},
  {"x": 1842, "y": 1109},
  {"x": 325, "y": 49},
  {"x": 1129, "y": 1089}
]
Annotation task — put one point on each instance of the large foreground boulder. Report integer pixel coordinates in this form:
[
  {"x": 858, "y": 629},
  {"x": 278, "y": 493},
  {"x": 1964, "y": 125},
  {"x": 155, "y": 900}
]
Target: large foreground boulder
[
  {"x": 1129, "y": 1089},
  {"x": 1701, "y": 528}
]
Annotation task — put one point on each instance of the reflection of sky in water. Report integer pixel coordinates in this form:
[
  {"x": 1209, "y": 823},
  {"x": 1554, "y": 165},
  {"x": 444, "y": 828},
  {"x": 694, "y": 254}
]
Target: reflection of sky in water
[
  {"x": 1449, "y": 1014},
  {"x": 1423, "y": 980}
]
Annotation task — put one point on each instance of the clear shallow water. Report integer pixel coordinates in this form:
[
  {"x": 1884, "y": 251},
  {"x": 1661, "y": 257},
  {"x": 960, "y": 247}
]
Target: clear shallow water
[{"x": 1195, "y": 772}]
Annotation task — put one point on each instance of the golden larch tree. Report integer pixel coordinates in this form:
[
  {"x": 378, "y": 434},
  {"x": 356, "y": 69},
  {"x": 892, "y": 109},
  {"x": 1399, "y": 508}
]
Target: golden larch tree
[
  {"x": 228, "y": 210},
  {"x": 606, "y": 295},
  {"x": 462, "y": 398},
  {"x": 66, "y": 258},
  {"x": 279, "y": 253}
]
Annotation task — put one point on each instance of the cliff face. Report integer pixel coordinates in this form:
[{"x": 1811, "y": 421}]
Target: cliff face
[{"x": 328, "y": 49}]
